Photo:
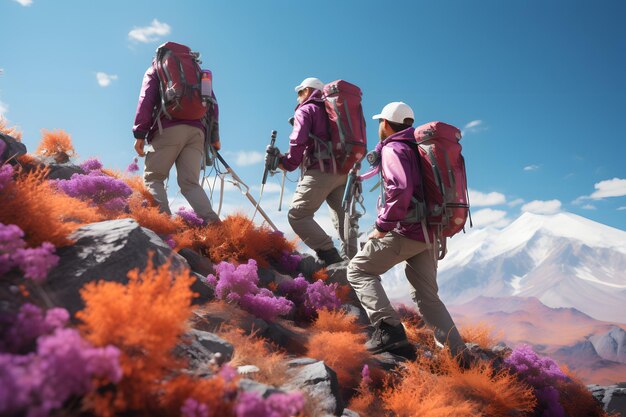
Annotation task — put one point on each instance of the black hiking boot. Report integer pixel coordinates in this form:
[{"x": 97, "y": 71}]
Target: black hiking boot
[
  {"x": 387, "y": 338},
  {"x": 329, "y": 256}
]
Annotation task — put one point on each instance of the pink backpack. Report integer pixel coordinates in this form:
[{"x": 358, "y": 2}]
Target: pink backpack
[
  {"x": 347, "y": 124},
  {"x": 444, "y": 179}
]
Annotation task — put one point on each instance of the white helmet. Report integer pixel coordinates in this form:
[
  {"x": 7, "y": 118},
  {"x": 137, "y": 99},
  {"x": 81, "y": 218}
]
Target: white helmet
[{"x": 310, "y": 82}]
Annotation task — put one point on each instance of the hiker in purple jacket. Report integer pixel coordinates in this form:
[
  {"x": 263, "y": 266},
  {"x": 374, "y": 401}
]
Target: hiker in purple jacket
[
  {"x": 397, "y": 238},
  {"x": 173, "y": 141},
  {"x": 318, "y": 183}
]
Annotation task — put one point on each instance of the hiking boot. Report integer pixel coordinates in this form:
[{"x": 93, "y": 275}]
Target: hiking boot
[
  {"x": 329, "y": 256},
  {"x": 386, "y": 338}
]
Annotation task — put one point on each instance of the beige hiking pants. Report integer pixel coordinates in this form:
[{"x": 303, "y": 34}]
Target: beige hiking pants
[
  {"x": 314, "y": 188},
  {"x": 182, "y": 145},
  {"x": 380, "y": 255}
]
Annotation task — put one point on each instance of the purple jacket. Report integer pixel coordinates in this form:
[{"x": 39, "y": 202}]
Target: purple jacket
[
  {"x": 310, "y": 117},
  {"x": 402, "y": 181},
  {"x": 149, "y": 99}
]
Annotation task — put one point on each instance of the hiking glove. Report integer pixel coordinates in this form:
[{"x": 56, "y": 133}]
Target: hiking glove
[{"x": 272, "y": 157}]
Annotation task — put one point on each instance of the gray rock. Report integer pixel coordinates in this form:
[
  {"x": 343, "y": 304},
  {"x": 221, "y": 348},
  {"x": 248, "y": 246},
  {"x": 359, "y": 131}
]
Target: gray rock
[
  {"x": 388, "y": 361},
  {"x": 213, "y": 343},
  {"x": 265, "y": 276},
  {"x": 63, "y": 171},
  {"x": 350, "y": 413},
  {"x": 299, "y": 362},
  {"x": 198, "y": 263},
  {"x": 265, "y": 391},
  {"x": 105, "y": 250},
  {"x": 615, "y": 400},
  {"x": 308, "y": 265},
  {"x": 203, "y": 290},
  {"x": 320, "y": 383}
]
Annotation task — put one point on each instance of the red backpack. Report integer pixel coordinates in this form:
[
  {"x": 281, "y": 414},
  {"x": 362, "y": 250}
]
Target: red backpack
[
  {"x": 346, "y": 124},
  {"x": 444, "y": 179},
  {"x": 179, "y": 76}
]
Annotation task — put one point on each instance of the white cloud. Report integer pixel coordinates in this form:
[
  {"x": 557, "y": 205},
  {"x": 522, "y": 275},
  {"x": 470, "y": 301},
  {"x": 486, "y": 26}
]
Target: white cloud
[
  {"x": 270, "y": 187},
  {"x": 4, "y": 108},
  {"x": 542, "y": 206},
  {"x": 516, "y": 202},
  {"x": 246, "y": 158},
  {"x": 531, "y": 168},
  {"x": 615, "y": 187},
  {"x": 25, "y": 2},
  {"x": 489, "y": 217},
  {"x": 478, "y": 199},
  {"x": 621, "y": 208},
  {"x": 105, "y": 79},
  {"x": 589, "y": 207},
  {"x": 473, "y": 127},
  {"x": 1, "y": 71},
  {"x": 150, "y": 33}
]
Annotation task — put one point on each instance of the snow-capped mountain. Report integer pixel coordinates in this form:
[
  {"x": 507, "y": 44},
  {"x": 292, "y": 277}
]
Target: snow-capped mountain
[{"x": 564, "y": 260}]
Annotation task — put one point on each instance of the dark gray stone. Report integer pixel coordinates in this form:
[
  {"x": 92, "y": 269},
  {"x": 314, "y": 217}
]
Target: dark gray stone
[
  {"x": 388, "y": 361},
  {"x": 197, "y": 263},
  {"x": 320, "y": 383},
  {"x": 265, "y": 391},
  {"x": 63, "y": 171},
  {"x": 203, "y": 290},
  {"x": 265, "y": 276},
  {"x": 350, "y": 413},
  {"x": 308, "y": 265},
  {"x": 293, "y": 342},
  {"x": 213, "y": 343},
  {"x": 105, "y": 250},
  {"x": 299, "y": 362},
  {"x": 615, "y": 400}
]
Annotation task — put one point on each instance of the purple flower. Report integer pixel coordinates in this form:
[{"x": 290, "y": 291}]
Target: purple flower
[
  {"x": 133, "y": 167},
  {"x": 228, "y": 373},
  {"x": 170, "y": 241},
  {"x": 310, "y": 297},
  {"x": 94, "y": 187},
  {"x": 251, "y": 404},
  {"x": 10, "y": 241},
  {"x": 266, "y": 307},
  {"x": 37, "y": 262},
  {"x": 31, "y": 323},
  {"x": 189, "y": 217},
  {"x": 289, "y": 262},
  {"x": 91, "y": 164},
  {"x": 365, "y": 375},
  {"x": 6, "y": 175},
  {"x": 193, "y": 408}
]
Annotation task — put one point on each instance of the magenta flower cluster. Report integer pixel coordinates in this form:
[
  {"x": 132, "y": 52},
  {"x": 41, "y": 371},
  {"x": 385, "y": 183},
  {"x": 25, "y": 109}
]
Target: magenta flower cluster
[
  {"x": 6, "y": 175},
  {"x": 133, "y": 167},
  {"x": 97, "y": 188},
  {"x": 310, "y": 297},
  {"x": 49, "y": 363},
  {"x": 194, "y": 408},
  {"x": 91, "y": 164},
  {"x": 190, "y": 217},
  {"x": 240, "y": 284},
  {"x": 543, "y": 374},
  {"x": 35, "y": 263},
  {"x": 288, "y": 262},
  {"x": 251, "y": 404}
]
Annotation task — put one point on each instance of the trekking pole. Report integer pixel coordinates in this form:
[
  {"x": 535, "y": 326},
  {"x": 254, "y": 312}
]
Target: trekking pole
[
  {"x": 268, "y": 165},
  {"x": 247, "y": 192},
  {"x": 282, "y": 191}
]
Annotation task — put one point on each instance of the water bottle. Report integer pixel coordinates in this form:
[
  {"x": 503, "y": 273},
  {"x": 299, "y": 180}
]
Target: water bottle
[{"x": 206, "y": 85}]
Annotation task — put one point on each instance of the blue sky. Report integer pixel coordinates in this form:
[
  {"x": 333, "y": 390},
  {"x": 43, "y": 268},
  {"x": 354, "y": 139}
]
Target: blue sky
[{"x": 538, "y": 87}]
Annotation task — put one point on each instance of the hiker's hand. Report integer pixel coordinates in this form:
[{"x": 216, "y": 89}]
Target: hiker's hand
[
  {"x": 139, "y": 147},
  {"x": 272, "y": 157},
  {"x": 217, "y": 145},
  {"x": 376, "y": 234}
]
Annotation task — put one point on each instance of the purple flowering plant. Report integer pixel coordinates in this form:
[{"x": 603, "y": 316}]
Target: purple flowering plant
[
  {"x": 96, "y": 188},
  {"x": 6, "y": 175},
  {"x": 310, "y": 297},
  {"x": 190, "y": 217},
  {"x": 91, "y": 164},
  {"x": 240, "y": 284},
  {"x": 288, "y": 262},
  {"x": 35, "y": 263},
  {"x": 252, "y": 404},
  {"x": 133, "y": 167}
]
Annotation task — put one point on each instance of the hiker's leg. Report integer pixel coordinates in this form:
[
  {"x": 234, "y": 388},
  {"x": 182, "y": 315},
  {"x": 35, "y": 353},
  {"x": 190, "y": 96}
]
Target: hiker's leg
[
  {"x": 337, "y": 214},
  {"x": 375, "y": 258},
  {"x": 421, "y": 271},
  {"x": 159, "y": 161},
  {"x": 188, "y": 167},
  {"x": 311, "y": 192}
]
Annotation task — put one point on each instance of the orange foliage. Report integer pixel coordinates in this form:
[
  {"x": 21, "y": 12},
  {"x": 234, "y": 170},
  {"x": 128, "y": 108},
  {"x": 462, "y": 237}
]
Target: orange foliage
[
  {"x": 144, "y": 319},
  {"x": 342, "y": 351},
  {"x": 451, "y": 391},
  {"x": 215, "y": 392},
  {"x": 481, "y": 334},
  {"x": 576, "y": 399},
  {"x": 320, "y": 274},
  {"x": 253, "y": 350},
  {"x": 336, "y": 321},
  {"x": 136, "y": 183},
  {"x": 44, "y": 214},
  {"x": 11, "y": 131},
  {"x": 237, "y": 239},
  {"x": 343, "y": 293},
  {"x": 56, "y": 144},
  {"x": 28, "y": 160}
]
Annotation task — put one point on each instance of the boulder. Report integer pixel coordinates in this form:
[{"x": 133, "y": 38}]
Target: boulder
[
  {"x": 318, "y": 382},
  {"x": 197, "y": 263},
  {"x": 248, "y": 385},
  {"x": 203, "y": 349},
  {"x": 105, "y": 250},
  {"x": 63, "y": 171}
]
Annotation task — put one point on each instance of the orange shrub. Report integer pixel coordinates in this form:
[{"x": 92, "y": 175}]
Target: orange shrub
[
  {"x": 136, "y": 183},
  {"x": 336, "y": 321},
  {"x": 481, "y": 334},
  {"x": 144, "y": 319},
  {"x": 44, "y": 214},
  {"x": 576, "y": 399},
  {"x": 320, "y": 274},
  {"x": 215, "y": 392},
  {"x": 56, "y": 144},
  {"x": 237, "y": 239},
  {"x": 11, "y": 131},
  {"x": 253, "y": 350},
  {"x": 344, "y": 352}
]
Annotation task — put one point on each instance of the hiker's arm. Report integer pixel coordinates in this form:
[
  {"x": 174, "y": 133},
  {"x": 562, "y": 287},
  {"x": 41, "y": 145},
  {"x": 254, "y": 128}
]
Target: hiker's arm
[
  {"x": 148, "y": 99},
  {"x": 398, "y": 190},
  {"x": 298, "y": 141}
]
